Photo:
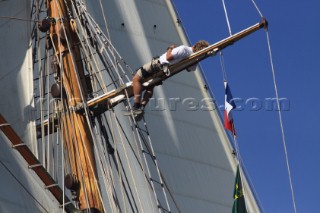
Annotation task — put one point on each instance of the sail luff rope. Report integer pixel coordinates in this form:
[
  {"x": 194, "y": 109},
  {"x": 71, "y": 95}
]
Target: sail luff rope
[
  {"x": 281, "y": 123},
  {"x": 227, "y": 18}
]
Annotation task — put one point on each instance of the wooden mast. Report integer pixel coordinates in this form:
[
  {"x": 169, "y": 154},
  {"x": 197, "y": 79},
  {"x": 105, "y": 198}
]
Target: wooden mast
[{"x": 75, "y": 129}]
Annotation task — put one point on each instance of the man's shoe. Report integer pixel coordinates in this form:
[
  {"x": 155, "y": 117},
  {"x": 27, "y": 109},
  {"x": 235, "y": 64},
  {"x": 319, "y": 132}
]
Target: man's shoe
[
  {"x": 136, "y": 112},
  {"x": 138, "y": 117}
]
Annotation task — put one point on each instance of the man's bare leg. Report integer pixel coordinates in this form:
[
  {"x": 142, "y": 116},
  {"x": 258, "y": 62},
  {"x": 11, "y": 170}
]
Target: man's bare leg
[
  {"x": 146, "y": 97},
  {"x": 137, "y": 88}
]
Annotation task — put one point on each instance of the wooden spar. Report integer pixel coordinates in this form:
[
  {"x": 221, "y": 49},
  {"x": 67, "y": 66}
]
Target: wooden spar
[
  {"x": 112, "y": 98},
  {"x": 108, "y": 100},
  {"x": 35, "y": 165},
  {"x": 75, "y": 129}
]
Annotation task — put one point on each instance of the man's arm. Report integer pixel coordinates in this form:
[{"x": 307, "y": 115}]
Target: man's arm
[{"x": 169, "y": 55}]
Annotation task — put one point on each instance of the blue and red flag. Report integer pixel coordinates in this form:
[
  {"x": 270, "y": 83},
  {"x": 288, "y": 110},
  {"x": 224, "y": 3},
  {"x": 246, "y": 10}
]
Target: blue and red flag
[{"x": 229, "y": 105}]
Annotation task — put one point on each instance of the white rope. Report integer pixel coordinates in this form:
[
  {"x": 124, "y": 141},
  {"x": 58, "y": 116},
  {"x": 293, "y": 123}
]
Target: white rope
[
  {"x": 98, "y": 74},
  {"x": 227, "y": 19},
  {"x": 256, "y": 6},
  {"x": 19, "y": 19},
  {"x": 223, "y": 68},
  {"x": 129, "y": 162},
  {"x": 48, "y": 107},
  {"x": 102, "y": 162},
  {"x": 281, "y": 123},
  {"x": 112, "y": 131},
  {"x": 105, "y": 20}
]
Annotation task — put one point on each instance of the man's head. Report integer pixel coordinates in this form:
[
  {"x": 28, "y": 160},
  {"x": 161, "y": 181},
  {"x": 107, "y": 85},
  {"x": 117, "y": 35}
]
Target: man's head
[{"x": 200, "y": 45}]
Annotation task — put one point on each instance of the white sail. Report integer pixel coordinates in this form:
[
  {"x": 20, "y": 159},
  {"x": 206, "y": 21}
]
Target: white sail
[
  {"x": 20, "y": 189},
  {"x": 193, "y": 151},
  {"x": 16, "y": 72}
]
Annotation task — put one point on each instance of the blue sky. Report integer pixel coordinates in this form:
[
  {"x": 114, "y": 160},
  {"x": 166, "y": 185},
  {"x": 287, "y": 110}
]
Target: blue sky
[{"x": 294, "y": 35}]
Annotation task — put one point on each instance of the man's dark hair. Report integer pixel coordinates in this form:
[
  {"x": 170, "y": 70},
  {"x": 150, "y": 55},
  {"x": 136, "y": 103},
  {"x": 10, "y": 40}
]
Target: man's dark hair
[{"x": 200, "y": 45}]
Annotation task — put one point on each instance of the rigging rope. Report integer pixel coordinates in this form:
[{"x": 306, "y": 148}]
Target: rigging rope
[
  {"x": 19, "y": 19},
  {"x": 281, "y": 124},
  {"x": 254, "y": 3},
  {"x": 223, "y": 68},
  {"x": 227, "y": 19},
  {"x": 279, "y": 113},
  {"x": 130, "y": 169}
]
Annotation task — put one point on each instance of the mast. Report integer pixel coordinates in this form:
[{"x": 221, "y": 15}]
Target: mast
[{"x": 75, "y": 128}]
